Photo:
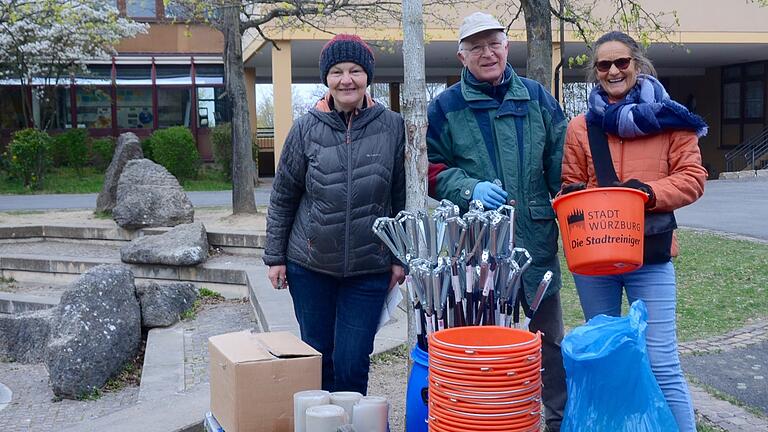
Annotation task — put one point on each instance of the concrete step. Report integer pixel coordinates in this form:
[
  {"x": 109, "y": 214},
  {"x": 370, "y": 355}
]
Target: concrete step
[
  {"x": 12, "y": 303},
  {"x": 60, "y": 262},
  {"x": 233, "y": 242}
]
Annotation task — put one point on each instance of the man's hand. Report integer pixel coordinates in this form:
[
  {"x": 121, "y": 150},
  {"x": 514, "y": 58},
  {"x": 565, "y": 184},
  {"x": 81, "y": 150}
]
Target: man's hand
[
  {"x": 491, "y": 195},
  {"x": 277, "y": 277},
  {"x": 398, "y": 276}
]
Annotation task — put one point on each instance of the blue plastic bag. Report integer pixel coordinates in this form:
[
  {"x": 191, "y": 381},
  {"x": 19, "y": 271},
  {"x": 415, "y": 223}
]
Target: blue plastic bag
[{"x": 611, "y": 387}]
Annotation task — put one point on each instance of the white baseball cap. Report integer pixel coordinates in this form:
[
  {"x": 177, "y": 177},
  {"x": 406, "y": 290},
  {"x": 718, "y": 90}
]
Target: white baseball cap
[{"x": 476, "y": 23}]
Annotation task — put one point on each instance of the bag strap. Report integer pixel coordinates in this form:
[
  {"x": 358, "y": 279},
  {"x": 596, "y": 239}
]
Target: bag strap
[{"x": 601, "y": 156}]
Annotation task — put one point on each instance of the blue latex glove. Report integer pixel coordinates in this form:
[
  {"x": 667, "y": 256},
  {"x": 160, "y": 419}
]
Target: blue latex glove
[{"x": 491, "y": 195}]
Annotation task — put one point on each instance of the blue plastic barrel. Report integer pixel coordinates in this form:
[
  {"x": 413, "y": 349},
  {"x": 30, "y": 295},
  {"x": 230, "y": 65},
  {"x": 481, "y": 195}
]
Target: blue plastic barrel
[{"x": 416, "y": 398}]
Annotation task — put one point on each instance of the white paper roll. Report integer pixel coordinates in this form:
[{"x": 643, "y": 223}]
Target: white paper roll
[
  {"x": 346, "y": 400},
  {"x": 325, "y": 418},
  {"x": 371, "y": 414},
  {"x": 376, "y": 400},
  {"x": 304, "y": 400}
]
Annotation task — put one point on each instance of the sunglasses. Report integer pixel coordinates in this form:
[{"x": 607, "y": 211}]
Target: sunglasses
[{"x": 621, "y": 64}]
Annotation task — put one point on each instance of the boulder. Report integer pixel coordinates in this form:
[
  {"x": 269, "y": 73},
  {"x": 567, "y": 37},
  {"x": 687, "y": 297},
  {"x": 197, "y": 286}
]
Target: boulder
[
  {"x": 162, "y": 305},
  {"x": 183, "y": 245},
  {"x": 128, "y": 147},
  {"x": 149, "y": 196},
  {"x": 96, "y": 331},
  {"x": 24, "y": 336}
]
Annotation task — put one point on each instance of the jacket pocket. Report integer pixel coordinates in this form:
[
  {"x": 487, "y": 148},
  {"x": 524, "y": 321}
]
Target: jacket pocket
[
  {"x": 542, "y": 213},
  {"x": 542, "y": 235}
]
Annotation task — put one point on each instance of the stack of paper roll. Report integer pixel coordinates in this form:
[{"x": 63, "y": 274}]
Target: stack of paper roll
[{"x": 321, "y": 411}]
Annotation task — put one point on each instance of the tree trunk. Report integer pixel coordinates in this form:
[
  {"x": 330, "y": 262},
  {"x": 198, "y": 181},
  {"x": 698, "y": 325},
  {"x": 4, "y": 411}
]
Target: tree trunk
[
  {"x": 415, "y": 114},
  {"x": 538, "y": 30},
  {"x": 243, "y": 167}
]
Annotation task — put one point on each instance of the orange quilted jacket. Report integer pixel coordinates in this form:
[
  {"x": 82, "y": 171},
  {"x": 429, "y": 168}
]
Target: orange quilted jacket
[{"x": 669, "y": 162}]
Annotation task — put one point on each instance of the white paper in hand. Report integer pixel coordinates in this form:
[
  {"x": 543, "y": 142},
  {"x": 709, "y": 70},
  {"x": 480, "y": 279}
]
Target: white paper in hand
[{"x": 390, "y": 306}]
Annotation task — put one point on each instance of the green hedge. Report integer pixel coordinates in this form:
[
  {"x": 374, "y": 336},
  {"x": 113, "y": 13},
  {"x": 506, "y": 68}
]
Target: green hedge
[
  {"x": 221, "y": 138},
  {"x": 174, "y": 148},
  {"x": 102, "y": 150},
  {"x": 70, "y": 148}
]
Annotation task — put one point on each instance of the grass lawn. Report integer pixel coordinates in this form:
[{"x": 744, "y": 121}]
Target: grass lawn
[
  {"x": 89, "y": 180},
  {"x": 722, "y": 283}
]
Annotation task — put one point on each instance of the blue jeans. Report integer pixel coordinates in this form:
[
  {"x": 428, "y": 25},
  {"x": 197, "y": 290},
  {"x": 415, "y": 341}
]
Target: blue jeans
[
  {"x": 339, "y": 317},
  {"x": 655, "y": 285}
]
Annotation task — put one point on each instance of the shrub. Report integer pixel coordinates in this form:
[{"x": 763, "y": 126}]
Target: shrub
[
  {"x": 29, "y": 156},
  {"x": 221, "y": 137},
  {"x": 70, "y": 148},
  {"x": 102, "y": 149},
  {"x": 174, "y": 148},
  {"x": 146, "y": 147}
]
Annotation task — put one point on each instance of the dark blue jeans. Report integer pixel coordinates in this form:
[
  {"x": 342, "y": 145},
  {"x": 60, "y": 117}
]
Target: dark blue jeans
[{"x": 339, "y": 317}]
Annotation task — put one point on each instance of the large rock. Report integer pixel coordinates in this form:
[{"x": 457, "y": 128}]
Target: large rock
[
  {"x": 127, "y": 148},
  {"x": 183, "y": 245},
  {"x": 96, "y": 331},
  {"x": 23, "y": 337},
  {"x": 162, "y": 305},
  {"x": 149, "y": 196}
]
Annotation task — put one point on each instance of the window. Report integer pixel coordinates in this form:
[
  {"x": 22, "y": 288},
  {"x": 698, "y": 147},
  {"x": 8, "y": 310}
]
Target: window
[
  {"x": 11, "y": 115},
  {"x": 51, "y": 108},
  {"x": 732, "y": 100},
  {"x": 141, "y": 8},
  {"x": 134, "y": 108},
  {"x": 744, "y": 92},
  {"x": 753, "y": 99},
  {"x": 176, "y": 10},
  {"x": 94, "y": 107},
  {"x": 212, "y": 107},
  {"x": 99, "y": 74},
  {"x": 134, "y": 75},
  {"x": 173, "y": 107},
  {"x": 209, "y": 74},
  {"x": 173, "y": 74}
]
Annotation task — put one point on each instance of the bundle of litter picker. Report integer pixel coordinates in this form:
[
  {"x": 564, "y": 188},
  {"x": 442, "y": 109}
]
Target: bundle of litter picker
[{"x": 460, "y": 270}]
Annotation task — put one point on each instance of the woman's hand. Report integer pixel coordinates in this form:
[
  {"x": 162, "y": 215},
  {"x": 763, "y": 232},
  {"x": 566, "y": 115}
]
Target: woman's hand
[
  {"x": 398, "y": 276},
  {"x": 573, "y": 187},
  {"x": 276, "y": 275}
]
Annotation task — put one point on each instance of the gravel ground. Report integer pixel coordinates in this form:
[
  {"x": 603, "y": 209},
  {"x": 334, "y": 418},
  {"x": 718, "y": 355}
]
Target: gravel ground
[{"x": 388, "y": 377}]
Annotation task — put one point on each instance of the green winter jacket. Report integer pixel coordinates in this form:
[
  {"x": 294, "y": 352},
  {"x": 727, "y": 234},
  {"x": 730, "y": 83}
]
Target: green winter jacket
[{"x": 473, "y": 138}]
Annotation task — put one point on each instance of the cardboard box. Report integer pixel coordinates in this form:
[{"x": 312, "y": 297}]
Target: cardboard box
[{"x": 254, "y": 377}]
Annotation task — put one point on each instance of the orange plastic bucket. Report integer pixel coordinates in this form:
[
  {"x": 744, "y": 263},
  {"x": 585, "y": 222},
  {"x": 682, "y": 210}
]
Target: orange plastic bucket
[
  {"x": 484, "y": 340},
  {"x": 602, "y": 229},
  {"x": 513, "y": 420},
  {"x": 504, "y": 376},
  {"x": 530, "y": 403}
]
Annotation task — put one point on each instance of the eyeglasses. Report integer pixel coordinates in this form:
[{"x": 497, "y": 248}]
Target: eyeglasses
[
  {"x": 621, "y": 64},
  {"x": 480, "y": 49}
]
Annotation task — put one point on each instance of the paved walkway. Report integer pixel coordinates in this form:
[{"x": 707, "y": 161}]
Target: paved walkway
[
  {"x": 734, "y": 365},
  {"x": 88, "y": 201}
]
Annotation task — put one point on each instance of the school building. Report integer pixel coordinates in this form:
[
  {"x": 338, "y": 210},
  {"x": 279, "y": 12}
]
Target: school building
[{"x": 174, "y": 74}]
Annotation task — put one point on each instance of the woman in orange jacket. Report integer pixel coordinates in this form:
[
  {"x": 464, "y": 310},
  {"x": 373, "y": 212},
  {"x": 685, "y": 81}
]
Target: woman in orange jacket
[{"x": 651, "y": 145}]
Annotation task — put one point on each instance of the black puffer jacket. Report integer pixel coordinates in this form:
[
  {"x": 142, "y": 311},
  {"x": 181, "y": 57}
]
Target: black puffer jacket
[{"x": 332, "y": 182}]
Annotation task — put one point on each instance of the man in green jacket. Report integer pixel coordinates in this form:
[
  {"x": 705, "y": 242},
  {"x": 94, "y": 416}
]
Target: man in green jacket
[{"x": 497, "y": 137}]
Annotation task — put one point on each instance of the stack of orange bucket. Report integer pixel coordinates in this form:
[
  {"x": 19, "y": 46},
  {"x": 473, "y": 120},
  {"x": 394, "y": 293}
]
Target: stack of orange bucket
[{"x": 484, "y": 378}]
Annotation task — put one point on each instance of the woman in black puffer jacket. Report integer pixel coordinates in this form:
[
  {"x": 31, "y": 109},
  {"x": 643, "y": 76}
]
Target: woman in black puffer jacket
[{"x": 340, "y": 169}]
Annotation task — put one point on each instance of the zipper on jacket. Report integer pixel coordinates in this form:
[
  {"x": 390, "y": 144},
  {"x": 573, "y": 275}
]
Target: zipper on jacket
[
  {"x": 620, "y": 174},
  {"x": 348, "y": 141}
]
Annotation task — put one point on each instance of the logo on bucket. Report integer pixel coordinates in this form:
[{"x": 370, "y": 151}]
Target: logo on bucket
[{"x": 576, "y": 219}]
